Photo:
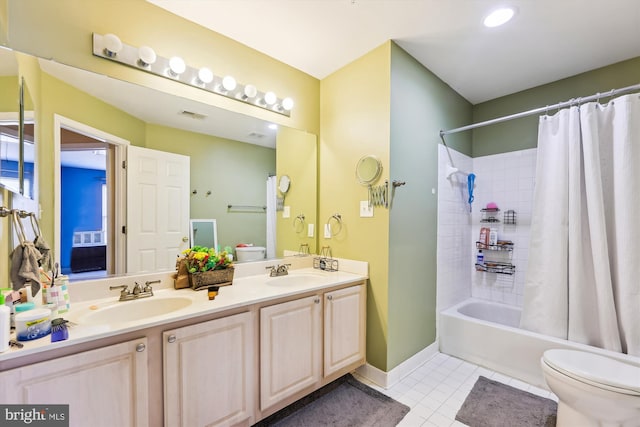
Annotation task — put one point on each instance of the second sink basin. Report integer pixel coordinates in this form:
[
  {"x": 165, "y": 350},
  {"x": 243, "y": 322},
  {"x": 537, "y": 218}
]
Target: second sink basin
[
  {"x": 297, "y": 279},
  {"x": 129, "y": 311}
]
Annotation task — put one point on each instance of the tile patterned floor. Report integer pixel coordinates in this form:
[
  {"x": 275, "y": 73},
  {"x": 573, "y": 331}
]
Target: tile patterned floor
[{"x": 436, "y": 390}]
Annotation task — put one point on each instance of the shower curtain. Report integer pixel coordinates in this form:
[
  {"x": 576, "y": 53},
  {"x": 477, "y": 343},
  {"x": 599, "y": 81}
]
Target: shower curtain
[
  {"x": 583, "y": 275},
  {"x": 271, "y": 217}
]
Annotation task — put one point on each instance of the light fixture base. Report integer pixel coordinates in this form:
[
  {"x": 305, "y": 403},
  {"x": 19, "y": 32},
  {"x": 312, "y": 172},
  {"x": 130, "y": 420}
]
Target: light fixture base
[{"x": 129, "y": 55}]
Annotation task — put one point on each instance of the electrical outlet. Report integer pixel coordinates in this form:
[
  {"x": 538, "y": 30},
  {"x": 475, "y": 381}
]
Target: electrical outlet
[
  {"x": 310, "y": 230},
  {"x": 327, "y": 231},
  {"x": 366, "y": 211},
  {"x": 286, "y": 212}
]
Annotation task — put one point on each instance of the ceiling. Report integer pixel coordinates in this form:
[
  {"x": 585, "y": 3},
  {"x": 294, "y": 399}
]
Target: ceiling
[{"x": 546, "y": 41}]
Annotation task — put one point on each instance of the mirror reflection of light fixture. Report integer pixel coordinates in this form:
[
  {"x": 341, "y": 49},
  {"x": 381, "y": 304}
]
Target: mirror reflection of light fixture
[
  {"x": 176, "y": 66},
  {"x": 112, "y": 45},
  {"x": 146, "y": 56},
  {"x": 205, "y": 76}
]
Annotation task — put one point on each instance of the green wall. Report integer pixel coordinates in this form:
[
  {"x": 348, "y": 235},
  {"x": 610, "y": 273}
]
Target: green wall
[
  {"x": 520, "y": 134},
  {"x": 399, "y": 122},
  {"x": 234, "y": 172},
  {"x": 421, "y": 104}
]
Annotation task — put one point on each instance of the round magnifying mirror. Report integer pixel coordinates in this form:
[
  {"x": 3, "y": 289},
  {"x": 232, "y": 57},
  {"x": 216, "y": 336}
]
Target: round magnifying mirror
[
  {"x": 368, "y": 169},
  {"x": 284, "y": 183}
]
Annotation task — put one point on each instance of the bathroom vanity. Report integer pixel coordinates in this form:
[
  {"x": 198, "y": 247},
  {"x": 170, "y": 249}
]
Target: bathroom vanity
[{"x": 262, "y": 344}]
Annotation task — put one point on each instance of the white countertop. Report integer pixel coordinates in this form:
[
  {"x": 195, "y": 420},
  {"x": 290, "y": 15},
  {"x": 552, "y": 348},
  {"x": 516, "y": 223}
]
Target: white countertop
[{"x": 245, "y": 291}]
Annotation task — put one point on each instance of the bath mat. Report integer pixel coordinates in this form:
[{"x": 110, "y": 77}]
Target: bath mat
[
  {"x": 493, "y": 404},
  {"x": 345, "y": 402}
]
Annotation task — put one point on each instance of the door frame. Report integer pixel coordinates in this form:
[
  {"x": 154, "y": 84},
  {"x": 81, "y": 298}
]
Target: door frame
[{"x": 120, "y": 182}]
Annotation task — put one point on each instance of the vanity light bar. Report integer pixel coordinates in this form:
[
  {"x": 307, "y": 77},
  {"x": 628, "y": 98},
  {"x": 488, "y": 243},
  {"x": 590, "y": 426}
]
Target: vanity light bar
[{"x": 144, "y": 58}]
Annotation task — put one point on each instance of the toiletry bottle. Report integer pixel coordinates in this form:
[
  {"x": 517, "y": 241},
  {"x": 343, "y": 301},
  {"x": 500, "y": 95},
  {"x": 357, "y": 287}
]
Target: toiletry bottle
[
  {"x": 5, "y": 322},
  {"x": 493, "y": 237},
  {"x": 484, "y": 236},
  {"x": 480, "y": 257}
]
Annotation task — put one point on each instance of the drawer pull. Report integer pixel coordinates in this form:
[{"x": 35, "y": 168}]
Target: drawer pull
[
  {"x": 141, "y": 347},
  {"x": 171, "y": 338}
]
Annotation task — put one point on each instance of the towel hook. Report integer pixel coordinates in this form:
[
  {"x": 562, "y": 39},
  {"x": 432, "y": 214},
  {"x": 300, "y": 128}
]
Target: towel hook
[
  {"x": 338, "y": 219},
  {"x": 22, "y": 236},
  {"x": 34, "y": 224},
  {"x": 299, "y": 218}
]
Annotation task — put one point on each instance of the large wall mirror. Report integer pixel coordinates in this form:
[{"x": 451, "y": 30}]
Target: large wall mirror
[
  {"x": 87, "y": 120},
  {"x": 17, "y": 137}
]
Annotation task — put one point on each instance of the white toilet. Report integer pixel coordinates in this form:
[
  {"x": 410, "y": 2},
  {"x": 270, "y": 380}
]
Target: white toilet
[
  {"x": 592, "y": 390},
  {"x": 250, "y": 253}
]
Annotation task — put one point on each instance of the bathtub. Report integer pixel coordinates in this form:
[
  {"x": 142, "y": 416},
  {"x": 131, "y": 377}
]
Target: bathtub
[{"x": 488, "y": 334}]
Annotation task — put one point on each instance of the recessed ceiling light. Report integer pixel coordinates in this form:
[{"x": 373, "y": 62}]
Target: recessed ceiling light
[{"x": 499, "y": 17}]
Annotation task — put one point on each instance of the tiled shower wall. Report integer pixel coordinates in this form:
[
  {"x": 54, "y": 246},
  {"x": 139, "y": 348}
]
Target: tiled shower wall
[
  {"x": 454, "y": 231},
  {"x": 506, "y": 179}
]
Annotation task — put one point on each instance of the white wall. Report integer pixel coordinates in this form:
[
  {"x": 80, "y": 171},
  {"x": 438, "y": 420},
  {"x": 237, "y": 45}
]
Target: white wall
[
  {"x": 506, "y": 179},
  {"x": 454, "y": 231}
]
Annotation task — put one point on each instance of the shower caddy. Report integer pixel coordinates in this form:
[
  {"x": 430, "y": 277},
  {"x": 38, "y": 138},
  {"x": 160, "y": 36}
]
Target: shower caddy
[{"x": 490, "y": 215}]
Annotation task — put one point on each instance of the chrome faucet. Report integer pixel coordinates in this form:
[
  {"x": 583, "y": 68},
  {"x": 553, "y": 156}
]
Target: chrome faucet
[
  {"x": 137, "y": 292},
  {"x": 279, "y": 270}
]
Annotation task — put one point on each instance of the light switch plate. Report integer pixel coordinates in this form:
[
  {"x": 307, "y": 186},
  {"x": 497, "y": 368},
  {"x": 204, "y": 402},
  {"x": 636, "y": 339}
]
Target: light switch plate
[
  {"x": 366, "y": 211},
  {"x": 310, "y": 230},
  {"x": 327, "y": 231},
  {"x": 286, "y": 212}
]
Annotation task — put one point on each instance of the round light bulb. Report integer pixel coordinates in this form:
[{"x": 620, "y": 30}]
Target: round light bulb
[
  {"x": 270, "y": 98},
  {"x": 177, "y": 65},
  {"x": 250, "y": 91},
  {"x": 228, "y": 83},
  {"x": 499, "y": 17},
  {"x": 205, "y": 75},
  {"x": 112, "y": 45},
  {"x": 287, "y": 104},
  {"x": 146, "y": 56}
]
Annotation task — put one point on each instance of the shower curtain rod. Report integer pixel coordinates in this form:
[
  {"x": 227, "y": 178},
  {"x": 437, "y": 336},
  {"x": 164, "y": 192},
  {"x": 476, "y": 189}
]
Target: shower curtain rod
[{"x": 559, "y": 105}]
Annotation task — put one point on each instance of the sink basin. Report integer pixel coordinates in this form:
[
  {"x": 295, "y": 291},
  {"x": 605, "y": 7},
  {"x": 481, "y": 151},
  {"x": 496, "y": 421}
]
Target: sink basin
[
  {"x": 129, "y": 311},
  {"x": 297, "y": 279}
]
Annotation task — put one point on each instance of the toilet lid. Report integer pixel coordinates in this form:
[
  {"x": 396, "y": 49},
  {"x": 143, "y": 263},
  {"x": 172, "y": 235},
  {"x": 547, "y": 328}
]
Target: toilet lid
[{"x": 595, "y": 369}]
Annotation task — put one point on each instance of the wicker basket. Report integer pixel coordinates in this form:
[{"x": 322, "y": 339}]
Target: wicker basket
[{"x": 204, "y": 279}]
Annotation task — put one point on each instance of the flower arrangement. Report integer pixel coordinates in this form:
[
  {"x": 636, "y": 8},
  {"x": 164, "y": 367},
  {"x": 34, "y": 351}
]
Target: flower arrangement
[{"x": 201, "y": 258}]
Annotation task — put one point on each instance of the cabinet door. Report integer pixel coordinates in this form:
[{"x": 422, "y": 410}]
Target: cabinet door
[
  {"x": 344, "y": 328},
  {"x": 104, "y": 387},
  {"x": 290, "y": 348},
  {"x": 209, "y": 377}
]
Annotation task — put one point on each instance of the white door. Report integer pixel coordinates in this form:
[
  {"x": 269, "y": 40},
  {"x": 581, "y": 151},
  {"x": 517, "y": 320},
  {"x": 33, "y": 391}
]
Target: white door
[{"x": 157, "y": 209}]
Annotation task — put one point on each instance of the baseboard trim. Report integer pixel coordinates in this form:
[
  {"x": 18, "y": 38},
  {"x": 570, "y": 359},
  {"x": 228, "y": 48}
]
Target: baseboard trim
[{"x": 388, "y": 379}]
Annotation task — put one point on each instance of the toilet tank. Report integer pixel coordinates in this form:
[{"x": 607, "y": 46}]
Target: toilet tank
[{"x": 250, "y": 253}]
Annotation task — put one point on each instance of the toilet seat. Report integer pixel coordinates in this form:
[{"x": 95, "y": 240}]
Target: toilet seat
[{"x": 596, "y": 370}]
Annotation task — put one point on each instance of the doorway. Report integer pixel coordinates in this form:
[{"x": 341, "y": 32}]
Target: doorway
[{"x": 89, "y": 205}]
